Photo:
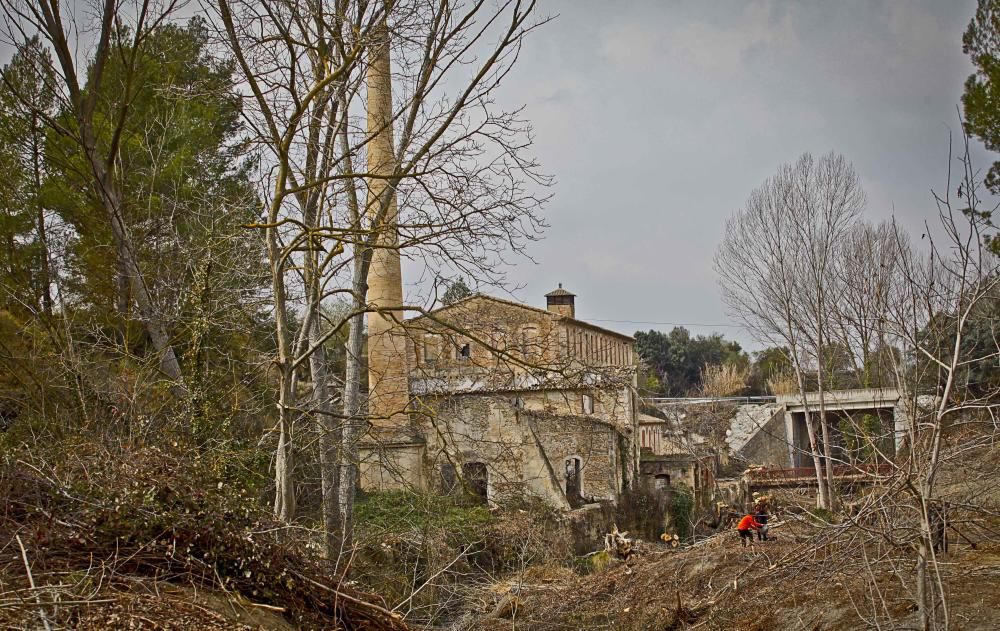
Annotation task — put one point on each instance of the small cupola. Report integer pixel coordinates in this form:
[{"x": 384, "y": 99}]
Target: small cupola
[{"x": 562, "y": 302}]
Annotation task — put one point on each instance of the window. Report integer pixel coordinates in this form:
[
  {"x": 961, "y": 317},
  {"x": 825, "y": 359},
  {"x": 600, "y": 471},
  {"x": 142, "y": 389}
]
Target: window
[
  {"x": 476, "y": 479},
  {"x": 588, "y": 404},
  {"x": 432, "y": 349},
  {"x": 574, "y": 481},
  {"x": 465, "y": 351}
]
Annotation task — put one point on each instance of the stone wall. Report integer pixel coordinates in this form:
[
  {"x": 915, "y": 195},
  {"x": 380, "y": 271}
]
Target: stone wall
[
  {"x": 524, "y": 451},
  {"x": 595, "y": 444}
]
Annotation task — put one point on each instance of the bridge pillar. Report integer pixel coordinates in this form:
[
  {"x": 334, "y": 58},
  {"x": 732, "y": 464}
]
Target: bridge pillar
[{"x": 790, "y": 436}]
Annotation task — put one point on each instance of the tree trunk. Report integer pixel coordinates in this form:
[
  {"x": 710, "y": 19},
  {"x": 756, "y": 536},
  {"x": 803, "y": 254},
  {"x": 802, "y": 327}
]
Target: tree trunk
[
  {"x": 45, "y": 282},
  {"x": 822, "y": 491},
  {"x": 354, "y": 420},
  {"x": 328, "y": 429},
  {"x": 284, "y": 492},
  {"x": 924, "y": 607},
  {"x": 112, "y": 201},
  {"x": 827, "y": 448}
]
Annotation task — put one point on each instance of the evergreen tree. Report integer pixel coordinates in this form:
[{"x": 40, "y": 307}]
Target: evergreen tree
[
  {"x": 676, "y": 359},
  {"x": 456, "y": 291},
  {"x": 981, "y": 100},
  {"x": 24, "y": 261}
]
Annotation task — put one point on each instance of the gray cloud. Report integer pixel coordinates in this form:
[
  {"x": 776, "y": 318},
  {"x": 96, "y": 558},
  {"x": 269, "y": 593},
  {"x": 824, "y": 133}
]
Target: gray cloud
[{"x": 659, "y": 118}]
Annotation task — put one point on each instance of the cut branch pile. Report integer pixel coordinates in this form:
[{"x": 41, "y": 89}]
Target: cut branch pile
[{"x": 143, "y": 516}]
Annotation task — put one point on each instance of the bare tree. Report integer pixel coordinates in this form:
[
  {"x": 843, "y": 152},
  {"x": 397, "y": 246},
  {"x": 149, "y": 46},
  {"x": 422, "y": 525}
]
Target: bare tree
[
  {"x": 825, "y": 200},
  {"x": 943, "y": 297},
  {"x": 438, "y": 173},
  {"x": 866, "y": 275},
  {"x": 776, "y": 268},
  {"x": 922, "y": 321}
]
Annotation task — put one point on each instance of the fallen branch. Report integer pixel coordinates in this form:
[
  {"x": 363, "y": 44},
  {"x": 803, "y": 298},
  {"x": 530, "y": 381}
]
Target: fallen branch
[{"x": 31, "y": 581}]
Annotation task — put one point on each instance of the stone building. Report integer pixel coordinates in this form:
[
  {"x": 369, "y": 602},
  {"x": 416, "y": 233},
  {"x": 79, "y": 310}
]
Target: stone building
[
  {"x": 503, "y": 398},
  {"x": 509, "y": 399},
  {"x": 671, "y": 455}
]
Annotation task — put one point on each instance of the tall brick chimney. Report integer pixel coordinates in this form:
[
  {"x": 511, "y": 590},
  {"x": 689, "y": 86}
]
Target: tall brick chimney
[
  {"x": 387, "y": 369},
  {"x": 562, "y": 302}
]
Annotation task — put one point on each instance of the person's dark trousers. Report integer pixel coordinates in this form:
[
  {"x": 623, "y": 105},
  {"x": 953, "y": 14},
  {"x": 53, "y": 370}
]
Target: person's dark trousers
[{"x": 762, "y": 531}]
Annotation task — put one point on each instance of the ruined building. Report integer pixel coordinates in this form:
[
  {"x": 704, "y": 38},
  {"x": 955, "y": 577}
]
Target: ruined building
[
  {"x": 502, "y": 398},
  {"x": 507, "y": 400}
]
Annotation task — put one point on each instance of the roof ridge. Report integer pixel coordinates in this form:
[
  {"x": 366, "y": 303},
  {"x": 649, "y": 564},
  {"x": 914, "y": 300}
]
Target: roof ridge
[{"x": 552, "y": 314}]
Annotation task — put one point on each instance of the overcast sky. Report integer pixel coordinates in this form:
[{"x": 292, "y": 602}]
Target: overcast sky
[{"x": 658, "y": 118}]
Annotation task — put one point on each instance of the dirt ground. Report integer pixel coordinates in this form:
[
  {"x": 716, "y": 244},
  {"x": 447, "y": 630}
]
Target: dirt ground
[{"x": 795, "y": 581}]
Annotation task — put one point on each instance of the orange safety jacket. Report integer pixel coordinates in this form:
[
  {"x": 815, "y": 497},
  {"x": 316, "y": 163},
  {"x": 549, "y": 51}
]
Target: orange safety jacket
[{"x": 747, "y": 523}]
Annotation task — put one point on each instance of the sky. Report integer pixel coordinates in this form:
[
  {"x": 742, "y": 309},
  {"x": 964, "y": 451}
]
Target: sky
[{"x": 657, "y": 119}]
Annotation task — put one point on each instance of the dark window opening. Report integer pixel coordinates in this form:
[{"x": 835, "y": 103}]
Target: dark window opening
[
  {"x": 465, "y": 352},
  {"x": 449, "y": 479},
  {"x": 574, "y": 482},
  {"x": 476, "y": 479}
]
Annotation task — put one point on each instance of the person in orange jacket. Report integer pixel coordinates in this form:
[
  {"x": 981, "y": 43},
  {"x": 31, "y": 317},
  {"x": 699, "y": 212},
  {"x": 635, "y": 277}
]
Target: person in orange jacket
[{"x": 746, "y": 527}]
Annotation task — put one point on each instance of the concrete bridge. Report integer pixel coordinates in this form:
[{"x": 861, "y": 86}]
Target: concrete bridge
[
  {"x": 880, "y": 403},
  {"x": 773, "y": 430},
  {"x": 854, "y": 399}
]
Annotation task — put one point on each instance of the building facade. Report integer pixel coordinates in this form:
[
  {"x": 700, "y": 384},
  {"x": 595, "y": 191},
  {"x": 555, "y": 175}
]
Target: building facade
[{"x": 510, "y": 400}]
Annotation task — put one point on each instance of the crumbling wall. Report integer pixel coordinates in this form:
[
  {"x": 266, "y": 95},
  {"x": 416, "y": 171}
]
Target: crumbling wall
[
  {"x": 461, "y": 430},
  {"x": 593, "y": 442},
  {"x": 524, "y": 452}
]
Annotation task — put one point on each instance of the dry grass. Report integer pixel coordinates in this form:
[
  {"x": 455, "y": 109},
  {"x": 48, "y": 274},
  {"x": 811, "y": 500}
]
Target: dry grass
[
  {"x": 782, "y": 383},
  {"x": 724, "y": 380}
]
